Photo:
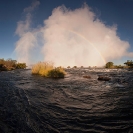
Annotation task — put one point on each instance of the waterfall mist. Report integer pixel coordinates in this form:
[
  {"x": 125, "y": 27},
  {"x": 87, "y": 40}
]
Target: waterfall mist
[{"x": 70, "y": 38}]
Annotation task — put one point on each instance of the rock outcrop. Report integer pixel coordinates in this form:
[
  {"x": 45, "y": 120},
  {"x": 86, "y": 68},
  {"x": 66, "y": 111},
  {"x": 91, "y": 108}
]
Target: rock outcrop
[{"x": 104, "y": 78}]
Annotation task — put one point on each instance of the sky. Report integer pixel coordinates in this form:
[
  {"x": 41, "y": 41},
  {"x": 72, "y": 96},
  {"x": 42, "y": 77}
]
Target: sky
[{"x": 33, "y": 30}]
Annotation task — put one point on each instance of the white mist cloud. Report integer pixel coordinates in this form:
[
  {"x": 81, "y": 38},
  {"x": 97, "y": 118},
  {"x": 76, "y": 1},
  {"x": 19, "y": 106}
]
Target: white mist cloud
[
  {"x": 28, "y": 40},
  {"x": 24, "y": 47},
  {"x": 74, "y": 37},
  {"x": 23, "y": 26},
  {"x": 34, "y": 4},
  {"x": 77, "y": 37}
]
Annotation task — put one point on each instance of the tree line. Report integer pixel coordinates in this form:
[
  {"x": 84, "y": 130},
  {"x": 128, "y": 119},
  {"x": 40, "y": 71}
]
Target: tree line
[
  {"x": 127, "y": 64},
  {"x": 10, "y": 64}
]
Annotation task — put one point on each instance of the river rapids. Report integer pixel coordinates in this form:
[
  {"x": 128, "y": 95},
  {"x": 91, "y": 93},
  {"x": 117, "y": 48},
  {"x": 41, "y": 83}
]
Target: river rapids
[{"x": 34, "y": 104}]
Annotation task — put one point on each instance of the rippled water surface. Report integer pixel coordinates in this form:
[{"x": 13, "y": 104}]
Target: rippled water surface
[{"x": 34, "y": 104}]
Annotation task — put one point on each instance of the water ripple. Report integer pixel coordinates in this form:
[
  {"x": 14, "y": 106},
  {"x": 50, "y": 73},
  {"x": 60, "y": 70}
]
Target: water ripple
[{"x": 30, "y": 103}]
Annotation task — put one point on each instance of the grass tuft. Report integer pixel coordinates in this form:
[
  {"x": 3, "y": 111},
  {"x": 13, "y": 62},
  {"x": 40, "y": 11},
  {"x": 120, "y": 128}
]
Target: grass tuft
[
  {"x": 47, "y": 69},
  {"x": 56, "y": 73}
]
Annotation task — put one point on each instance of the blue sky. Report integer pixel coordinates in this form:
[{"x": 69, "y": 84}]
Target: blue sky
[{"x": 110, "y": 12}]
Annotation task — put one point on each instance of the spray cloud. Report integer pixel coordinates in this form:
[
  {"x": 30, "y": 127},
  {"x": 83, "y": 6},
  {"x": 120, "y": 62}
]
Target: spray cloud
[
  {"x": 27, "y": 39},
  {"x": 72, "y": 37}
]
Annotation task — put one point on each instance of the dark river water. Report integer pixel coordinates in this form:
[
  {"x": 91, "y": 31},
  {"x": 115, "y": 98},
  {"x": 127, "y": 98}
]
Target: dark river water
[{"x": 34, "y": 104}]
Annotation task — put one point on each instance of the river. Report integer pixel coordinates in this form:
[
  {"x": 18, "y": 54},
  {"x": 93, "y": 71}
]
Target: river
[{"x": 34, "y": 104}]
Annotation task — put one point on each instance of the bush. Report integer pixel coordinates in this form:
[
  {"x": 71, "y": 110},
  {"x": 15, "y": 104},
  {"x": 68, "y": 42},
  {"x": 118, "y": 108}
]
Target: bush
[
  {"x": 47, "y": 69},
  {"x": 9, "y": 64},
  {"x": 129, "y": 63},
  {"x": 56, "y": 73},
  {"x": 75, "y": 67},
  {"x": 118, "y": 66},
  {"x": 20, "y": 65},
  {"x": 42, "y": 68},
  {"x": 109, "y": 65}
]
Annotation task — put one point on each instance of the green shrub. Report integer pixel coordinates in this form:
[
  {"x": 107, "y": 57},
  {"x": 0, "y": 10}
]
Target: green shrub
[
  {"x": 20, "y": 65},
  {"x": 56, "y": 73}
]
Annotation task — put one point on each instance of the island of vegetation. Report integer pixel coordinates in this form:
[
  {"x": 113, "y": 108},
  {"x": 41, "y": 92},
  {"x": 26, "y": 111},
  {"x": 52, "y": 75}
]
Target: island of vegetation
[
  {"x": 47, "y": 69},
  {"x": 9, "y": 64},
  {"x": 128, "y": 64}
]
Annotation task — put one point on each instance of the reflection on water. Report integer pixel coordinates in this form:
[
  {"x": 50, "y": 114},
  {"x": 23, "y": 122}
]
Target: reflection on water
[{"x": 30, "y": 103}]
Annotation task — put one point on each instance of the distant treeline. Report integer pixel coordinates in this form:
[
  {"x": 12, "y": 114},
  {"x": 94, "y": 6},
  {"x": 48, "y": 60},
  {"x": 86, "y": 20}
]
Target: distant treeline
[
  {"x": 128, "y": 64},
  {"x": 10, "y": 64}
]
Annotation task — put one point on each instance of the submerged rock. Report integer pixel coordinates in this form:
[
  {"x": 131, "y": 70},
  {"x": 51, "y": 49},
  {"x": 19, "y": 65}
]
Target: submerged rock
[
  {"x": 87, "y": 76},
  {"x": 104, "y": 78}
]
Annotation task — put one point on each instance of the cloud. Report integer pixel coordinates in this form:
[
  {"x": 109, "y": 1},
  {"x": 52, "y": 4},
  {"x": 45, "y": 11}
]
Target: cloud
[
  {"x": 23, "y": 26},
  {"x": 28, "y": 40},
  {"x": 78, "y": 37},
  {"x": 74, "y": 37},
  {"x": 24, "y": 47},
  {"x": 34, "y": 4}
]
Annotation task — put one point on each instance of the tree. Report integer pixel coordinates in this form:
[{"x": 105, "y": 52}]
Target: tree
[
  {"x": 129, "y": 63},
  {"x": 109, "y": 65}
]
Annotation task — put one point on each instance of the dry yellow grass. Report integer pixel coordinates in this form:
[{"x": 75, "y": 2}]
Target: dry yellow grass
[
  {"x": 42, "y": 68},
  {"x": 47, "y": 69}
]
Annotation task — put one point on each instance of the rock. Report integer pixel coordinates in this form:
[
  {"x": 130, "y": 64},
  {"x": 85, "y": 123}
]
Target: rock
[
  {"x": 104, "y": 78},
  {"x": 87, "y": 76},
  {"x": 3, "y": 67}
]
